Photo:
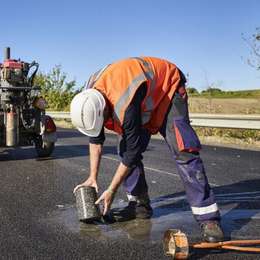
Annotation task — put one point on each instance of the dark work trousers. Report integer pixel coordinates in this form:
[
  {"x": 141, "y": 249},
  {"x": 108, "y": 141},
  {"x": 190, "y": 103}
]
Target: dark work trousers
[
  {"x": 135, "y": 184},
  {"x": 184, "y": 146}
]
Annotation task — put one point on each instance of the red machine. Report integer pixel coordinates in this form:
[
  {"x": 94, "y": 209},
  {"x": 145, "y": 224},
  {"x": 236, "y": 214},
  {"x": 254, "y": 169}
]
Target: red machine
[{"x": 22, "y": 109}]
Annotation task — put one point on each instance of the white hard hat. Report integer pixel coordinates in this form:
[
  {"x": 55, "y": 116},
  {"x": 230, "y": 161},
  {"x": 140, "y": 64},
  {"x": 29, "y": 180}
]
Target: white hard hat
[{"x": 87, "y": 112}]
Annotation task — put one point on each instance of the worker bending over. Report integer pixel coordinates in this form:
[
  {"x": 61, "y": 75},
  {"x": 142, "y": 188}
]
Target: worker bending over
[{"x": 136, "y": 98}]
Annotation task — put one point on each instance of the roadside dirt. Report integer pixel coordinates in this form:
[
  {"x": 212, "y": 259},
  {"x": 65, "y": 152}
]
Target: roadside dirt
[{"x": 224, "y": 105}]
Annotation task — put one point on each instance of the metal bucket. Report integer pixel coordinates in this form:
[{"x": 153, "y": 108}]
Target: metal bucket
[
  {"x": 175, "y": 244},
  {"x": 85, "y": 202}
]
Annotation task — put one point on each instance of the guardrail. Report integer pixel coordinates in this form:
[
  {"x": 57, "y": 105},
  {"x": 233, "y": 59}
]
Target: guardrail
[
  {"x": 203, "y": 120},
  {"x": 226, "y": 121},
  {"x": 58, "y": 115}
]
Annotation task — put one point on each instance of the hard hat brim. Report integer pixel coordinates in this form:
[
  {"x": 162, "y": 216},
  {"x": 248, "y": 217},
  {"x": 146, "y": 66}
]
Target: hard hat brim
[
  {"x": 79, "y": 112},
  {"x": 93, "y": 132}
]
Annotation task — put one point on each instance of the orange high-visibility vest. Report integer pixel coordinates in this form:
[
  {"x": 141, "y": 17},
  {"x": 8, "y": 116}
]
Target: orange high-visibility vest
[{"x": 119, "y": 82}]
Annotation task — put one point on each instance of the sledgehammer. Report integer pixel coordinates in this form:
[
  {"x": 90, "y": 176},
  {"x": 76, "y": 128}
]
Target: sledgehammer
[{"x": 176, "y": 245}]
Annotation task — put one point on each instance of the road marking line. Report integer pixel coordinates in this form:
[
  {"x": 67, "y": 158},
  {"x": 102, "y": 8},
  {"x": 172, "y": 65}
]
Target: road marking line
[
  {"x": 147, "y": 168},
  {"x": 168, "y": 200},
  {"x": 239, "y": 193},
  {"x": 153, "y": 169}
]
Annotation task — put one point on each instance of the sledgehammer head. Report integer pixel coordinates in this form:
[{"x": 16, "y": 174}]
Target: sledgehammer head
[{"x": 175, "y": 244}]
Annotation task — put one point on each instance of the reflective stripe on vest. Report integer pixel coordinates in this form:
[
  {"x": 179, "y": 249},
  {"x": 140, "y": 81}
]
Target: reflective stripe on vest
[
  {"x": 149, "y": 105},
  {"x": 95, "y": 77},
  {"x": 124, "y": 98}
]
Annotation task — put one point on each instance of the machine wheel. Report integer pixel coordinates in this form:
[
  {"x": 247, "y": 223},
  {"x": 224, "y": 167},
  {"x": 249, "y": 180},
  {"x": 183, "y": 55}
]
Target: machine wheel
[{"x": 44, "y": 149}]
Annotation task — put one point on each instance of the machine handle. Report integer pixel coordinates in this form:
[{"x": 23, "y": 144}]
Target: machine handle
[{"x": 7, "y": 53}]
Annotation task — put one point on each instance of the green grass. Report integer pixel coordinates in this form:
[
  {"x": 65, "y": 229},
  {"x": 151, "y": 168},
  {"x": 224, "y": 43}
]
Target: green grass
[{"x": 230, "y": 94}]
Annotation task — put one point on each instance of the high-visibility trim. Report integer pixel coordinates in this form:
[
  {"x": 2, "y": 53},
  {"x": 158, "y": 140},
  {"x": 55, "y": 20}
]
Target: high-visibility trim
[
  {"x": 131, "y": 197},
  {"x": 149, "y": 104},
  {"x": 90, "y": 82},
  {"x": 127, "y": 94},
  {"x": 149, "y": 70},
  {"x": 95, "y": 77},
  {"x": 162, "y": 80},
  {"x": 204, "y": 210}
]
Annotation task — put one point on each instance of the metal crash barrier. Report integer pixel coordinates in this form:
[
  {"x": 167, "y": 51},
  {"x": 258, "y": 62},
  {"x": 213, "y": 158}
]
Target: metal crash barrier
[{"x": 203, "y": 120}]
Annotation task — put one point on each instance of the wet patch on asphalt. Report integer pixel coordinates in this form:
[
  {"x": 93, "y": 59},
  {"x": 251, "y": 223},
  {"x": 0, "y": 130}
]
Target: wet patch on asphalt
[{"x": 240, "y": 219}]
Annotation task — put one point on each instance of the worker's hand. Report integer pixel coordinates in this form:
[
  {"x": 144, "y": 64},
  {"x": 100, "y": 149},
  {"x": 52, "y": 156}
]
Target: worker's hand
[
  {"x": 89, "y": 182},
  {"x": 107, "y": 197}
]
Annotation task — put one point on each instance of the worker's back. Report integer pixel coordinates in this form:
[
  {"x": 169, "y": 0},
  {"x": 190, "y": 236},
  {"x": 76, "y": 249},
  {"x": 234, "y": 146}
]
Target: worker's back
[{"x": 120, "y": 80}]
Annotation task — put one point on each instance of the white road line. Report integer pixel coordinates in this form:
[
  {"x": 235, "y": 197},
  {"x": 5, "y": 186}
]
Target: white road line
[
  {"x": 239, "y": 193},
  {"x": 163, "y": 201},
  {"x": 147, "y": 168},
  {"x": 153, "y": 169}
]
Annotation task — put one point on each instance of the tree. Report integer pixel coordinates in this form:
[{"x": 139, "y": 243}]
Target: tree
[
  {"x": 254, "y": 44},
  {"x": 212, "y": 90},
  {"x": 192, "y": 91},
  {"x": 56, "y": 89}
]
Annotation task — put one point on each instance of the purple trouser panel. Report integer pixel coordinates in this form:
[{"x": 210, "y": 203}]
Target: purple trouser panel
[
  {"x": 199, "y": 194},
  {"x": 135, "y": 184},
  {"x": 184, "y": 146}
]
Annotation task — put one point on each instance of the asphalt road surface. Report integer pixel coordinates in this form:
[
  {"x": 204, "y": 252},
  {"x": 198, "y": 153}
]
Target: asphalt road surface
[{"x": 38, "y": 218}]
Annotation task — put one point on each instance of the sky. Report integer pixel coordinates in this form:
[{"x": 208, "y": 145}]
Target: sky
[{"x": 202, "y": 37}]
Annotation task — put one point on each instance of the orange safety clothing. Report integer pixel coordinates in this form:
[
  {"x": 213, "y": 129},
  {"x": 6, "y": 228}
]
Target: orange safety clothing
[{"x": 119, "y": 82}]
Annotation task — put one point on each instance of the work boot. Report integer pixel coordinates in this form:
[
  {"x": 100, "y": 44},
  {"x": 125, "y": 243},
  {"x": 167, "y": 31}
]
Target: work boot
[
  {"x": 143, "y": 207},
  {"x": 129, "y": 210},
  {"x": 211, "y": 231},
  {"x": 126, "y": 213},
  {"x": 138, "y": 207},
  {"x": 143, "y": 210}
]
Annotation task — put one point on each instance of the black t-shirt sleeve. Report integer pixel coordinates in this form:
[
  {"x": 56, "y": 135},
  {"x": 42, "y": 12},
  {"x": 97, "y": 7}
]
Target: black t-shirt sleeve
[
  {"x": 100, "y": 139},
  {"x": 134, "y": 136}
]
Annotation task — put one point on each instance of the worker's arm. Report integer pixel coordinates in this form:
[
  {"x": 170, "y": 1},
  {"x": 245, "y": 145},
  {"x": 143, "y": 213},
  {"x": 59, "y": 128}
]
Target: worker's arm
[
  {"x": 133, "y": 146},
  {"x": 95, "y": 152},
  {"x": 108, "y": 195}
]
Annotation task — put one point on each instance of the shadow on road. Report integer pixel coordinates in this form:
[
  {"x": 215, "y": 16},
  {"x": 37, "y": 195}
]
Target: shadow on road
[
  {"x": 238, "y": 202},
  {"x": 69, "y": 133},
  {"x": 241, "y": 194},
  {"x": 60, "y": 152}
]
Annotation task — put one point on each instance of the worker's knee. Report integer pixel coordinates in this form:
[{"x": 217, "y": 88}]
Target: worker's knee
[
  {"x": 187, "y": 141},
  {"x": 185, "y": 156},
  {"x": 192, "y": 169}
]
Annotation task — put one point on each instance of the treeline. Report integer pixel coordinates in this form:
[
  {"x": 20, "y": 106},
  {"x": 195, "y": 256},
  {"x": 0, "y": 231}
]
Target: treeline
[
  {"x": 218, "y": 93},
  {"x": 56, "y": 89}
]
